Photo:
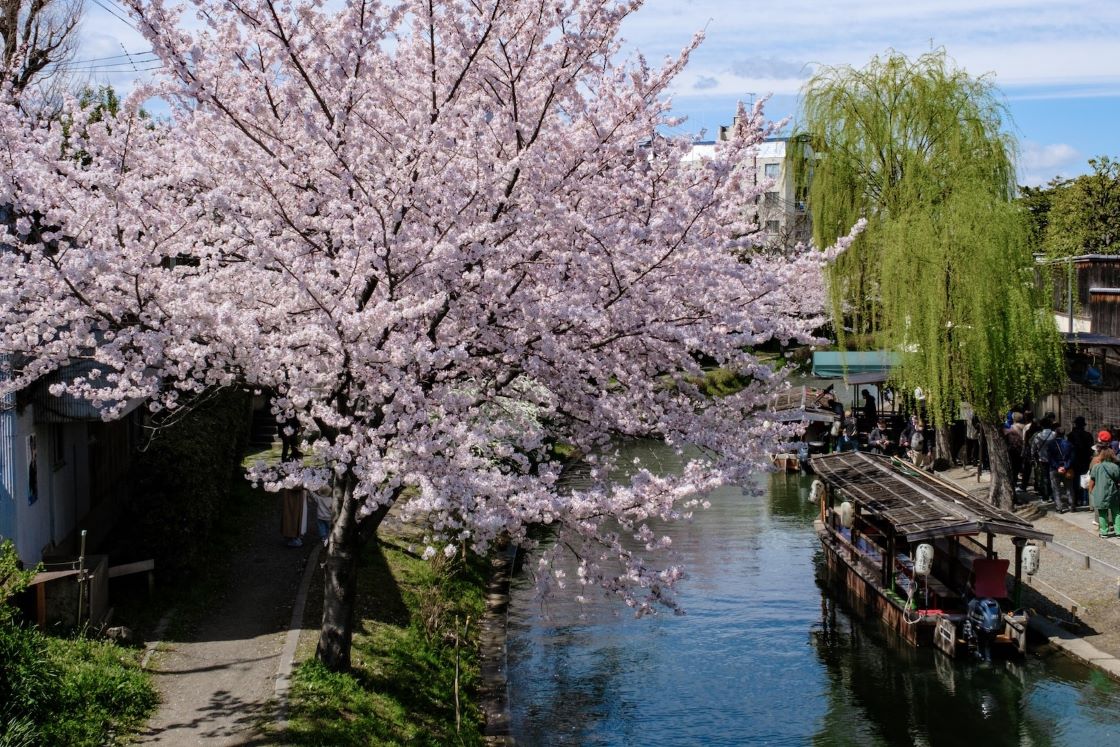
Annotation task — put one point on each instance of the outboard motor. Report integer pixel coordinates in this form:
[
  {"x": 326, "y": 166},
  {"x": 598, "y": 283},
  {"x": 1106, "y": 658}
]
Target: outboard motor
[{"x": 983, "y": 623}]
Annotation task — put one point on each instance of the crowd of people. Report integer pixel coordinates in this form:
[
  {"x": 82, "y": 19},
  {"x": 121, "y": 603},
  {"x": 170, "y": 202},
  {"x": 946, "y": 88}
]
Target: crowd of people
[{"x": 1071, "y": 467}]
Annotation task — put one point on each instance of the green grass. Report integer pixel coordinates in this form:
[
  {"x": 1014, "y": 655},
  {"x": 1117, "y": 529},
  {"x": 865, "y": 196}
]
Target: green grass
[
  {"x": 401, "y": 689},
  {"x": 69, "y": 691}
]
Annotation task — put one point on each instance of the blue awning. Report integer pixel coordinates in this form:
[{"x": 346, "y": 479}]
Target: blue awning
[{"x": 840, "y": 364}]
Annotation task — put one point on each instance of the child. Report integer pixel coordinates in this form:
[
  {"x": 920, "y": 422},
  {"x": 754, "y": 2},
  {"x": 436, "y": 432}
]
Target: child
[{"x": 324, "y": 512}]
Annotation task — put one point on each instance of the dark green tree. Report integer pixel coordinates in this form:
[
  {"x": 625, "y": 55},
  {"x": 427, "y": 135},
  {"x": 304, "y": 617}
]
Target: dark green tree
[
  {"x": 1084, "y": 215},
  {"x": 1037, "y": 203},
  {"x": 943, "y": 273}
]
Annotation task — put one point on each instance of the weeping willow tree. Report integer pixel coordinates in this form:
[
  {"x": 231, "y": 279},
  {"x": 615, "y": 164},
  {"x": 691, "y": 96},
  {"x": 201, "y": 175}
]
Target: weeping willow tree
[{"x": 943, "y": 273}]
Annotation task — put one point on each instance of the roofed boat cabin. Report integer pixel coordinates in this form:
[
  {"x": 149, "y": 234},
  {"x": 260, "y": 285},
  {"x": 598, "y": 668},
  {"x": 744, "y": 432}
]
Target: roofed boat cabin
[
  {"x": 805, "y": 405},
  {"x": 919, "y": 553}
]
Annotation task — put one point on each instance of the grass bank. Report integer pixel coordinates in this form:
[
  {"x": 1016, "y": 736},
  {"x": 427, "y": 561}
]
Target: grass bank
[
  {"x": 415, "y": 661},
  {"x": 63, "y": 690}
]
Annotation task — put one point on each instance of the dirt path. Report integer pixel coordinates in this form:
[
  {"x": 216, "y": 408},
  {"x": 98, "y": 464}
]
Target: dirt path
[{"x": 217, "y": 688}]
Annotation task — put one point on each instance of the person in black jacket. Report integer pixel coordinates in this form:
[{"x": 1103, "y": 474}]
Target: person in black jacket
[{"x": 1082, "y": 443}]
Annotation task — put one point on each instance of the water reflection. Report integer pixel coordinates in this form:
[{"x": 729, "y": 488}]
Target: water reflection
[
  {"x": 885, "y": 692},
  {"x": 766, "y": 656}
]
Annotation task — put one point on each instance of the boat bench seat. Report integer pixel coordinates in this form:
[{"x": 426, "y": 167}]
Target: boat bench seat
[{"x": 939, "y": 592}]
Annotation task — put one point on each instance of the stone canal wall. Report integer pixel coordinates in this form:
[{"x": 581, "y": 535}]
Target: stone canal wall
[{"x": 493, "y": 688}]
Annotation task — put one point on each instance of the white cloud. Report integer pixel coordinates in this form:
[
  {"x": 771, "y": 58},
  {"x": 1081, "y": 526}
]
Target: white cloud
[
  {"x": 1023, "y": 42},
  {"x": 1039, "y": 163},
  {"x": 769, "y": 67},
  {"x": 704, "y": 83}
]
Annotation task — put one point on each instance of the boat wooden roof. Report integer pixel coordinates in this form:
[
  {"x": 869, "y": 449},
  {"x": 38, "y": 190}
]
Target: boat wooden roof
[
  {"x": 800, "y": 403},
  {"x": 918, "y": 505}
]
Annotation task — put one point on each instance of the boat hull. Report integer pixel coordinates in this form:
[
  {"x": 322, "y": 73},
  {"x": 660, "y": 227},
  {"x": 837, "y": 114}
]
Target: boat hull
[{"x": 866, "y": 596}]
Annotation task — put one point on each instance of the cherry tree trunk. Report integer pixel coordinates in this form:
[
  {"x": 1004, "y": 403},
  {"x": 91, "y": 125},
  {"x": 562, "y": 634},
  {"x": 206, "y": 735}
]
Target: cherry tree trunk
[
  {"x": 340, "y": 582},
  {"x": 349, "y": 535},
  {"x": 1002, "y": 491}
]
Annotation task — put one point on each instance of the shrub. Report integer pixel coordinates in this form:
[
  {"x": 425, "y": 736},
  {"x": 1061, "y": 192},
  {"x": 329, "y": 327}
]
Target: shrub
[
  {"x": 67, "y": 691},
  {"x": 100, "y": 693}
]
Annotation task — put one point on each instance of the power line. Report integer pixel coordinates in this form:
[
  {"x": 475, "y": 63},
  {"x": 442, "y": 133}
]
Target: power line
[
  {"x": 112, "y": 57},
  {"x": 113, "y": 13},
  {"x": 108, "y": 66},
  {"x": 123, "y": 69}
]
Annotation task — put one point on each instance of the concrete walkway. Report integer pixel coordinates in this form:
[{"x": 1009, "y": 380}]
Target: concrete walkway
[
  {"x": 218, "y": 687},
  {"x": 1075, "y": 590}
]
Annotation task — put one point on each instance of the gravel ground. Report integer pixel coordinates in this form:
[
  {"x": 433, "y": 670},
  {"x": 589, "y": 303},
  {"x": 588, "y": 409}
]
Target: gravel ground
[{"x": 217, "y": 688}]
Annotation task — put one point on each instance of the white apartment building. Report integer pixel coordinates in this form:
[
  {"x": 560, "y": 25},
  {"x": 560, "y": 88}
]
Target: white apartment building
[{"x": 780, "y": 211}]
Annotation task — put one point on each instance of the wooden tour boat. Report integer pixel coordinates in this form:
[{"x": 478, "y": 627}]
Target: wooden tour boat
[
  {"x": 920, "y": 553},
  {"x": 802, "y": 404}
]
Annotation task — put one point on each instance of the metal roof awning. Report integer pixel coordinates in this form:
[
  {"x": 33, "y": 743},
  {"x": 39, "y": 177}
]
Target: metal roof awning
[
  {"x": 919, "y": 506},
  {"x": 841, "y": 364},
  {"x": 871, "y": 377},
  {"x": 1089, "y": 339},
  {"x": 68, "y": 408}
]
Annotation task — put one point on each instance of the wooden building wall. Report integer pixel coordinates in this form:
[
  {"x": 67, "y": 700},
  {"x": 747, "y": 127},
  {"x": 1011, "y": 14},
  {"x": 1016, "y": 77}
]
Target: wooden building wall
[
  {"x": 1088, "y": 272},
  {"x": 1104, "y": 311},
  {"x": 1099, "y": 407}
]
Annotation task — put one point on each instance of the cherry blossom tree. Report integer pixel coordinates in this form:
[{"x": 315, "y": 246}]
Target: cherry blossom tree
[{"x": 447, "y": 234}]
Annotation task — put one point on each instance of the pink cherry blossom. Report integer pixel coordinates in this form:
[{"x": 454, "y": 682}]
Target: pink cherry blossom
[{"x": 447, "y": 234}]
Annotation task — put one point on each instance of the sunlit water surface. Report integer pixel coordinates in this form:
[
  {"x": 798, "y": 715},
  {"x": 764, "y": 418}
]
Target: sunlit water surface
[{"x": 764, "y": 655}]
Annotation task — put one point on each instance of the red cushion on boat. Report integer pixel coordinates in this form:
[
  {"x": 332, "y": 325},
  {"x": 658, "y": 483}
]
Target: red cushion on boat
[{"x": 989, "y": 577}]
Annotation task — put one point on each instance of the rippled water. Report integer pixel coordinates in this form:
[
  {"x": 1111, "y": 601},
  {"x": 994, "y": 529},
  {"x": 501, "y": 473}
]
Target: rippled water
[{"x": 766, "y": 656}]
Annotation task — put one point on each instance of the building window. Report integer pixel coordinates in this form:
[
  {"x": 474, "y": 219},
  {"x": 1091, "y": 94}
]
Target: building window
[
  {"x": 771, "y": 199},
  {"x": 772, "y": 226},
  {"x": 771, "y": 170}
]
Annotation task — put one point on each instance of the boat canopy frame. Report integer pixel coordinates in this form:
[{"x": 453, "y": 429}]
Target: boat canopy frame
[
  {"x": 917, "y": 505},
  {"x": 801, "y": 404}
]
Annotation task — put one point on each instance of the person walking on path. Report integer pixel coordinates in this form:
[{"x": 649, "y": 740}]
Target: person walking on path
[
  {"x": 293, "y": 516},
  {"x": 1014, "y": 438},
  {"x": 1104, "y": 492},
  {"x": 919, "y": 446},
  {"x": 972, "y": 440},
  {"x": 1082, "y": 442},
  {"x": 324, "y": 512},
  {"x": 1040, "y": 449},
  {"x": 1059, "y": 456},
  {"x": 1029, "y": 427}
]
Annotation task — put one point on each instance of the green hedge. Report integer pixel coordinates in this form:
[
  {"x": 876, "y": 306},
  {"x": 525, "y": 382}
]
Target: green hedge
[{"x": 182, "y": 482}]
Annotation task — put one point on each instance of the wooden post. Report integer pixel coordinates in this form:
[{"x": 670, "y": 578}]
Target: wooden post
[
  {"x": 1018, "y": 542},
  {"x": 888, "y": 561},
  {"x": 991, "y": 545},
  {"x": 41, "y": 606}
]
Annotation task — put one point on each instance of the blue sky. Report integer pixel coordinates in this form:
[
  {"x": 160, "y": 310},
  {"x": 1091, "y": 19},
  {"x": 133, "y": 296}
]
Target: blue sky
[{"x": 1057, "y": 63}]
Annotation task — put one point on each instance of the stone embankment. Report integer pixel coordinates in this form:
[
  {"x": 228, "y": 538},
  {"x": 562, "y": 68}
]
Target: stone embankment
[{"x": 493, "y": 690}]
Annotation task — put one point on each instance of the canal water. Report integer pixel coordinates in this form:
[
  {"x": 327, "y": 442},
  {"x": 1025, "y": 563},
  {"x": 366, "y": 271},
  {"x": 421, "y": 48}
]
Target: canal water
[{"x": 766, "y": 655}]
